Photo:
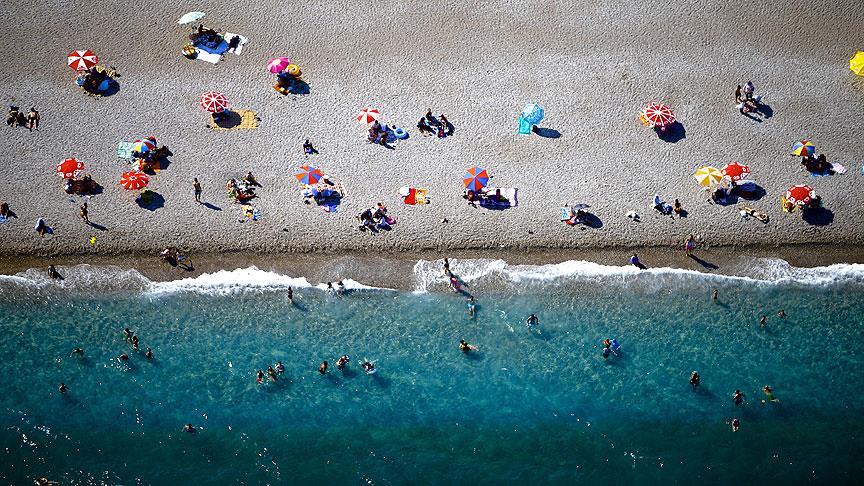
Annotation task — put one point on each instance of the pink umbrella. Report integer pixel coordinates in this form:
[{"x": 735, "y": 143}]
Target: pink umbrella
[
  {"x": 278, "y": 64},
  {"x": 214, "y": 102},
  {"x": 368, "y": 115}
]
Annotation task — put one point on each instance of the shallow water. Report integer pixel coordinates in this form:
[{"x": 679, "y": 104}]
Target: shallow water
[{"x": 529, "y": 406}]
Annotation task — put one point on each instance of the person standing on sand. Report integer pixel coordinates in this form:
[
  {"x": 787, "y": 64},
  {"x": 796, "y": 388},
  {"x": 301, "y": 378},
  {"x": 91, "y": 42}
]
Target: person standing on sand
[
  {"x": 33, "y": 119},
  {"x": 689, "y": 245},
  {"x": 197, "y": 187},
  {"x": 738, "y": 97},
  {"x": 84, "y": 213}
]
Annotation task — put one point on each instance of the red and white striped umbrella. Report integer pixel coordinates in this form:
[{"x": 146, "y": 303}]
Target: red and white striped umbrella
[
  {"x": 658, "y": 115},
  {"x": 214, "y": 102},
  {"x": 134, "y": 180},
  {"x": 82, "y": 60},
  {"x": 735, "y": 171},
  {"x": 368, "y": 115},
  {"x": 70, "y": 168},
  {"x": 800, "y": 195}
]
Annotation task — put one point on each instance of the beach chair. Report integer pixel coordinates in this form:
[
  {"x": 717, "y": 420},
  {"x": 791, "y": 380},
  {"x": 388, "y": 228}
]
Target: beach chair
[{"x": 124, "y": 150}]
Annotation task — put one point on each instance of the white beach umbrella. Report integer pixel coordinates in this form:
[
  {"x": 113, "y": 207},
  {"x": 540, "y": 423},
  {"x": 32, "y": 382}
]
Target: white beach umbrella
[{"x": 190, "y": 17}]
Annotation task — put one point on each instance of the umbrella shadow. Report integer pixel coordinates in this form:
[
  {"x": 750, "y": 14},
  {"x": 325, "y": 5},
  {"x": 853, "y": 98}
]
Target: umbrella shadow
[
  {"x": 226, "y": 119},
  {"x": 592, "y": 221},
  {"x": 765, "y": 110},
  {"x": 673, "y": 133},
  {"x": 546, "y": 132},
  {"x": 294, "y": 86},
  {"x": 818, "y": 216},
  {"x": 112, "y": 88},
  {"x": 756, "y": 194},
  {"x": 155, "y": 201}
]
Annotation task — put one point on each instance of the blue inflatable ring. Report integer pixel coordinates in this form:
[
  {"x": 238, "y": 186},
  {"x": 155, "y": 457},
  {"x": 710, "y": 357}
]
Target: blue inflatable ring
[{"x": 400, "y": 133}]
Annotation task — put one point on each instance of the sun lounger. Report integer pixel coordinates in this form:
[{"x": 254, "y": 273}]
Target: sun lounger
[{"x": 507, "y": 198}]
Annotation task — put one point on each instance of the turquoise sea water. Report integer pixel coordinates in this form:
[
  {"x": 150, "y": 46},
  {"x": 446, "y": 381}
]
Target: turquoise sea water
[{"x": 538, "y": 407}]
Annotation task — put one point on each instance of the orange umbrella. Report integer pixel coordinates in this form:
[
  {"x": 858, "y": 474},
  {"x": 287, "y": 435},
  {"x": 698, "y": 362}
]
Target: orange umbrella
[
  {"x": 69, "y": 168},
  {"x": 134, "y": 180}
]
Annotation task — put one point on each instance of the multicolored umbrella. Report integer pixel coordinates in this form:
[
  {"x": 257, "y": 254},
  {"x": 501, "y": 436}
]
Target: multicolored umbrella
[
  {"x": 658, "y": 115},
  {"x": 368, "y": 115},
  {"x": 134, "y": 180},
  {"x": 70, "y": 168},
  {"x": 803, "y": 148},
  {"x": 708, "y": 176},
  {"x": 735, "y": 171},
  {"x": 144, "y": 146},
  {"x": 475, "y": 178},
  {"x": 82, "y": 60},
  {"x": 533, "y": 113},
  {"x": 214, "y": 102},
  {"x": 856, "y": 64},
  {"x": 308, "y": 174},
  {"x": 278, "y": 64},
  {"x": 800, "y": 195},
  {"x": 190, "y": 17}
]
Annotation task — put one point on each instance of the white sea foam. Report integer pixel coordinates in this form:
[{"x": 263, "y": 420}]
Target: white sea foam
[{"x": 429, "y": 274}]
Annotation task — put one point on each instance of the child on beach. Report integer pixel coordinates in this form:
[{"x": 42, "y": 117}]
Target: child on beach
[{"x": 33, "y": 119}]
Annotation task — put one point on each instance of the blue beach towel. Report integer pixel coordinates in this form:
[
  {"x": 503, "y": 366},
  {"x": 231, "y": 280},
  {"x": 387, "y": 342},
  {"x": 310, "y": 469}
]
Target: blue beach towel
[{"x": 524, "y": 126}]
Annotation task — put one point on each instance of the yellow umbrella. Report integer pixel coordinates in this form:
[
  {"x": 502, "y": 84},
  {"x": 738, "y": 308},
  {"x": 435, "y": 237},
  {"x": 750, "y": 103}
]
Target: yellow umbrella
[
  {"x": 708, "y": 176},
  {"x": 856, "y": 64}
]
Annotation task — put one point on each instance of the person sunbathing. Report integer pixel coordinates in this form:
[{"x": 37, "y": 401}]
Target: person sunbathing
[{"x": 752, "y": 212}]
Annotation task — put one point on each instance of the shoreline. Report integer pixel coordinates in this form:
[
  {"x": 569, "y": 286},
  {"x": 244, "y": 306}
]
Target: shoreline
[{"x": 395, "y": 269}]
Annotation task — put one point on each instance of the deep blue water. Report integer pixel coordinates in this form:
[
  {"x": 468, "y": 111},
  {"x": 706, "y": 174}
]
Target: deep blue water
[{"x": 539, "y": 407}]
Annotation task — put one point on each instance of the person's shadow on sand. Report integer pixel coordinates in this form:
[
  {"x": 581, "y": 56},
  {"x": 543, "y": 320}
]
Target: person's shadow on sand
[{"x": 704, "y": 263}]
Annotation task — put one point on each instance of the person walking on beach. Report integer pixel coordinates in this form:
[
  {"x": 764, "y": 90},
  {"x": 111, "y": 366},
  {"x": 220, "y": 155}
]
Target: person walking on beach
[
  {"x": 196, "y": 186},
  {"x": 84, "y": 213},
  {"x": 738, "y": 97},
  {"x": 634, "y": 260},
  {"x": 42, "y": 227},
  {"x": 689, "y": 245},
  {"x": 33, "y": 119},
  {"x": 291, "y": 294}
]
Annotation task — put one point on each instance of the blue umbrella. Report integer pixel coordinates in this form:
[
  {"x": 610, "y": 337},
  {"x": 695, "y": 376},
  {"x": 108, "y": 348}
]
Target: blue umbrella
[{"x": 532, "y": 113}]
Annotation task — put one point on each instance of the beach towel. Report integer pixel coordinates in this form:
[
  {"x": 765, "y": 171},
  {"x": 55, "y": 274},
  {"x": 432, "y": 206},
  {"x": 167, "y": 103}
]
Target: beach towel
[
  {"x": 250, "y": 213},
  {"x": 3, "y": 219},
  {"x": 508, "y": 198},
  {"x": 413, "y": 196},
  {"x": 229, "y": 36},
  {"x": 208, "y": 56},
  {"x": 524, "y": 126},
  {"x": 835, "y": 169}
]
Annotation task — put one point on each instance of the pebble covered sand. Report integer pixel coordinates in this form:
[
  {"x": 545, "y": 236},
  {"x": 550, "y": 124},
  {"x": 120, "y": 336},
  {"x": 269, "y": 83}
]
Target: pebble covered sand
[{"x": 591, "y": 65}]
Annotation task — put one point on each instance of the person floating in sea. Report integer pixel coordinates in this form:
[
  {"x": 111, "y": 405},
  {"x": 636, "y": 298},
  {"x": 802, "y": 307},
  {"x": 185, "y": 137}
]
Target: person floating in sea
[
  {"x": 322, "y": 368},
  {"x": 762, "y": 321},
  {"x": 123, "y": 358},
  {"x": 189, "y": 429},
  {"x": 769, "y": 394},
  {"x": 471, "y": 307},
  {"x": 149, "y": 353},
  {"x": 738, "y": 397},
  {"x": 368, "y": 367},
  {"x": 62, "y": 388},
  {"x": 271, "y": 373},
  {"x": 127, "y": 335},
  {"x": 342, "y": 361},
  {"x": 532, "y": 321},
  {"x": 135, "y": 342},
  {"x": 280, "y": 368},
  {"x": 781, "y": 314},
  {"x": 606, "y": 352},
  {"x": 330, "y": 289},
  {"x": 465, "y": 347},
  {"x": 694, "y": 379},
  {"x": 259, "y": 376},
  {"x": 291, "y": 295},
  {"x": 340, "y": 287},
  {"x": 77, "y": 352},
  {"x": 736, "y": 424},
  {"x": 714, "y": 295}
]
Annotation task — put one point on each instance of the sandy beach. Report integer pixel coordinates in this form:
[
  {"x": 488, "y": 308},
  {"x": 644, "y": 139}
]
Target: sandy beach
[{"x": 592, "y": 68}]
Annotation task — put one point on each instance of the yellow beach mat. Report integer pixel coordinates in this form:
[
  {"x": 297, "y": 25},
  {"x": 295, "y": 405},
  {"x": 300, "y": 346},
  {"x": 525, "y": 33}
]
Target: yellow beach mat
[
  {"x": 244, "y": 120},
  {"x": 856, "y": 64}
]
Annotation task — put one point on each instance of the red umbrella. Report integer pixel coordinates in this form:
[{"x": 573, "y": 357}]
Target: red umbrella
[
  {"x": 82, "y": 60},
  {"x": 308, "y": 174},
  {"x": 658, "y": 115},
  {"x": 134, "y": 180},
  {"x": 800, "y": 195},
  {"x": 735, "y": 171},
  {"x": 368, "y": 115},
  {"x": 214, "y": 102},
  {"x": 70, "y": 168}
]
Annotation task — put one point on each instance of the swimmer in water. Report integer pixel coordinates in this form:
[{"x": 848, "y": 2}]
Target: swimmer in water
[
  {"x": 322, "y": 368},
  {"x": 340, "y": 287},
  {"x": 607, "y": 343},
  {"x": 135, "y": 342},
  {"x": 465, "y": 347},
  {"x": 615, "y": 346},
  {"x": 736, "y": 424},
  {"x": 454, "y": 284},
  {"x": 531, "y": 321},
  {"x": 714, "y": 295},
  {"x": 189, "y": 428},
  {"x": 342, "y": 361},
  {"x": 368, "y": 367},
  {"x": 62, "y": 388},
  {"x": 606, "y": 352},
  {"x": 694, "y": 379},
  {"x": 77, "y": 352},
  {"x": 127, "y": 335},
  {"x": 259, "y": 377},
  {"x": 781, "y": 314},
  {"x": 330, "y": 289},
  {"x": 149, "y": 353},
  {"x": 471, "y": 307},
  {"x": 271, "y": 373},
  {"x": 769, "y": 393},
  {"x": 123, "y": 358},
  {"x": 290, "y": 294},
  {"x": 280, "y": 368},
  {"x": 762, "y": 321},
  {"x": 738, "y": 397}
]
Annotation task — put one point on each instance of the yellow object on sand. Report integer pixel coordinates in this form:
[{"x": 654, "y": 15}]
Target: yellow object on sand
[
  {"x": 856, "y": 64},
  {"x": 92, "y": 240},
  {"x": 708, "y": 176},
  {"x": 293, "y": 70},
  {"x": 786, "y": 205},
  {"x": 248, "y": 120}
]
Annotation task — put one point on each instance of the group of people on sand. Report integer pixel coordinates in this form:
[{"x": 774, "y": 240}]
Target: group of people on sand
[
  {"x": 817, "y": 165},
  {"x": 172, "y": 256},
  {"x": 375, "y": 218},
  {"x": 745, "y": 98},
  {"x": 430, "y": 125},
  {"x": 30, "y": 120},
  {"x": 244, "y": 190}
]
